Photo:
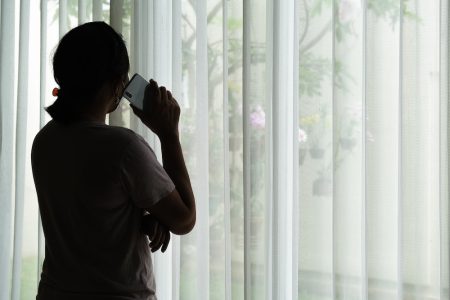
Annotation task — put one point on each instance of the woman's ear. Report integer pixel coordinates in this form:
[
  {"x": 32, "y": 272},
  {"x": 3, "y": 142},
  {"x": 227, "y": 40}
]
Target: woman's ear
[
  {"x": 119, "y": 87},
  {"x": 117, "y": 92}
]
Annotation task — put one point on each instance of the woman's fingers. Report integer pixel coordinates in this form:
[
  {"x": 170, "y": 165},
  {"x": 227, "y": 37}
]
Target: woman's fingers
[
  {"x": 155, "y": 244},
  {"x": 152, "y": 97},
  {"x": 150, "y": 227},
  {"x": 164, "y": 95},
  {"x": 166, "y": 241},
  {"x": 158, "y": 234}
]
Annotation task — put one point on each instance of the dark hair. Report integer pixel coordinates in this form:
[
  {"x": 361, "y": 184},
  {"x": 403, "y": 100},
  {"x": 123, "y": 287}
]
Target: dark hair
[{"x": 87, "y": 56}]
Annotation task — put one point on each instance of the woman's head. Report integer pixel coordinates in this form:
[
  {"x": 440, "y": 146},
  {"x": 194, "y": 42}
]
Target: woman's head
[{"x": 90, "y": 59}]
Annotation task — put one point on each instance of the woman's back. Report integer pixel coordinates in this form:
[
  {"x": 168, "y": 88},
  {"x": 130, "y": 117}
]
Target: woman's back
[{"x": 94, "y": 244}]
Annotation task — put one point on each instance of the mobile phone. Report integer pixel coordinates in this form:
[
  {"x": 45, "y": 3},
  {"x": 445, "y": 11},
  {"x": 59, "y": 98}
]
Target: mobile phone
[{"x": 135, "y": 90}]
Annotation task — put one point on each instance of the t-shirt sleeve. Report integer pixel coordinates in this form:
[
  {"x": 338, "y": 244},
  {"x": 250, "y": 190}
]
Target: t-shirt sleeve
[{"x": 143, "y": 177}]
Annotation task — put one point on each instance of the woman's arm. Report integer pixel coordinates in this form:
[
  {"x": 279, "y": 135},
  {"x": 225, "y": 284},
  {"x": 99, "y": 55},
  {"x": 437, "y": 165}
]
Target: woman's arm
[{"x": 161, "y": 114}]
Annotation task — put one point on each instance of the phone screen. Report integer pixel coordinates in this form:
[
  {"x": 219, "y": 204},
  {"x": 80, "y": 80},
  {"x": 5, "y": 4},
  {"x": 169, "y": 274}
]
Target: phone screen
[{"x": 135, "y": 90}]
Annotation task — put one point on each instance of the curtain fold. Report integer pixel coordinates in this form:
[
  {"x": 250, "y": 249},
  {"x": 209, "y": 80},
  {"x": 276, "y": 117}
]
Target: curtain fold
[
  {"x": 21, "y": 138},
  {"x": 7, "y": 103},
  {"x": 315, "y": 132}
]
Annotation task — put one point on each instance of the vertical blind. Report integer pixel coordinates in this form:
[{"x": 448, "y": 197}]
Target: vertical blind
[{"x": 315, "y": 133}]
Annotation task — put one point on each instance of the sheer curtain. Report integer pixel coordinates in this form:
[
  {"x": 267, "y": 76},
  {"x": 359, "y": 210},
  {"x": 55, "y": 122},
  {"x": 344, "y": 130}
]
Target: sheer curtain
[{"x": 315, "y": 133}]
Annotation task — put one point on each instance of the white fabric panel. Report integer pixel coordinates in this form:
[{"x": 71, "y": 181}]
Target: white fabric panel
[
  {"x": 334, "y": 138},
  {"x": 444, "y": 212},
  {"x": 283, "y": 197},
  {"x": 201, "y": 186},
  {"x": 148, "y": 58},
  {"x": 21, "y": 140},
  {"x": 268, "y": 177},
  {"x": 116, "y": 15},
  {"x": 7, "y": 50},
  {"x": 295, "y": 154},
  {"x": 42, "y": 97},
  {"x": 246, "y": 85},
  {"x": 382, "y": 80},
  {"x": 226, "y": 156},
  {"x": 400, "y": 162},
  {"x": 116, "y": 22},
  {"x": 97, "y": 10},
  {"x": 316, "y": 155},
  {"x": 43, "y": 61},
  {"x": 138, "y": 41},
  {"x": 348, "y": 158},
  {"x": 364, "y": 116},
  {"x": 162, "y": 73},
  {"x": 420, "y": 239},
  {"x": 162, "y": 22},
  {"x": 176, "y": 88},
  {"x": 160, "y": 63},
  {"x": 82, "y": 12},
  {"x": 63, "y": 18}
]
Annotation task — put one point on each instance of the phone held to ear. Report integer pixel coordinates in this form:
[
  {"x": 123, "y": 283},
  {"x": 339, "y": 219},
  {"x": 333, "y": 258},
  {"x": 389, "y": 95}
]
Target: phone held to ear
[{"x": 135, "y": 90}]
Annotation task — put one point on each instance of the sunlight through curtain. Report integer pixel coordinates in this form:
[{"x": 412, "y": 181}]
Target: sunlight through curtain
[{"x": 315, "y": 133}]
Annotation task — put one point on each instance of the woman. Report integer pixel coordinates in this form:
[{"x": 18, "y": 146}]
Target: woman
[{"x": 100, "y": 188}]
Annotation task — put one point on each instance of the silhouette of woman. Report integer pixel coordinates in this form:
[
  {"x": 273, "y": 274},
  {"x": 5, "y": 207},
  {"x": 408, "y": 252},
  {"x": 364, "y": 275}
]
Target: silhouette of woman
[{"x": 101, "y": 191}]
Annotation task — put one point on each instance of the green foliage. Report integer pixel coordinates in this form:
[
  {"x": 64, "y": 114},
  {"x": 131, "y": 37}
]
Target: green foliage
[
  {"x": 313, "y": 71},
  {"x": 318, "y": 5},
  {"x": 234, "y": 24},
  {"x": 390, "y": 10}
]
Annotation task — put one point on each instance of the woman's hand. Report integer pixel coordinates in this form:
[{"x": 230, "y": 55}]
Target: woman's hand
[
  {"x": 158, "y": 234},
  {"x": 161, "y": 112}
]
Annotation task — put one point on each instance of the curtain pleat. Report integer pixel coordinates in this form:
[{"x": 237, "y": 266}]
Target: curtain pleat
[
  {"x": 268, "y": 155},
  {"x": 7, "y": 102},
  {"x": 136, "y": 53},
  {"x": 97, "y": 10},
  {"x": 42, "y": 97},
  {"x": 283, "y": 147},
  {"x": 161, "y": 70},
  {"x": 400, "y": 157},
  {"x": 444, "y": 212},
  {"x": 63, "y": 18},
  {"x": 226, "y": 157},
  {"x": 21, "y": 139},
  {"x": 201, "y": 179},
  {"x": 82, "y": 12},
  {"x": 420, "y": 104},
  {"x": 294, "y": 209},
  {"x": 116, "y": 22},
  {"x": 318, "y": 205},
  {"x": 149, "y": 40},
  {"x": 348, "y": 178},
  {"x": 334, "y": 180},
  {"x": 246, "y": 136},
  {"x": 176, "y": 87},
  {"x": 364, "y": 114}
]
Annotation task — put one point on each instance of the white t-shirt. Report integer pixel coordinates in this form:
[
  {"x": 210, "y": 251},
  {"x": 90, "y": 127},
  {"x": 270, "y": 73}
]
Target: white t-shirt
[{"x": 93, "y": 183}]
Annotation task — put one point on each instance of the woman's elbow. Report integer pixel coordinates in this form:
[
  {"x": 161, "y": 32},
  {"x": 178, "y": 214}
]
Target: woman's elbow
[{"x": 187, "y": 226}]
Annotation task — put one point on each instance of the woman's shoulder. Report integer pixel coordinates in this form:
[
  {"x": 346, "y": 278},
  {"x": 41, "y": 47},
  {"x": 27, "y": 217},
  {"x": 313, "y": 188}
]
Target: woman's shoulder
[
  {"x": 87, "y": 132},
  {"x": 124, "y": 134}
]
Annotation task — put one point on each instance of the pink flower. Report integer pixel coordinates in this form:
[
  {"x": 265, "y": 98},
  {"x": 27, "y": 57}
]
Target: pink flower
[
  {"x": 302, "y": 136},
  {"x": 258, "y": 118}
]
